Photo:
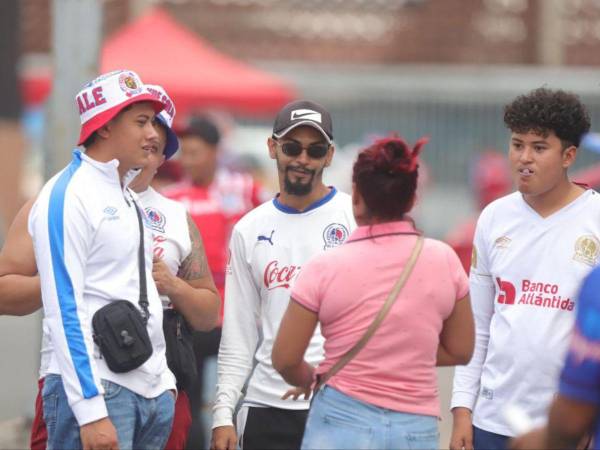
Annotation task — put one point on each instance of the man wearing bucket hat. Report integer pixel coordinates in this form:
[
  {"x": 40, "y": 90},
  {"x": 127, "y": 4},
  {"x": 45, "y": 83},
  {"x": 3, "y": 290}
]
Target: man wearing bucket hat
[
  {"x": 88, "y": 237},
  {"x": 176, "y": 253},
  {"x": 268, "y": 247}
]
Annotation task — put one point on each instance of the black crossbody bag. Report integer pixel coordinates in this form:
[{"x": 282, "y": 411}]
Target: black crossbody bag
[
  {"x": 181, "y": 357},
  {"x": 120, "y": 328}
]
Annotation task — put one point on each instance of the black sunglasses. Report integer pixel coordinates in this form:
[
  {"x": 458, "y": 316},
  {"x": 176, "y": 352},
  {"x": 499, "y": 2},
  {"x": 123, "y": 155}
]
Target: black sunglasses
[{"x": 315, "y": 151}]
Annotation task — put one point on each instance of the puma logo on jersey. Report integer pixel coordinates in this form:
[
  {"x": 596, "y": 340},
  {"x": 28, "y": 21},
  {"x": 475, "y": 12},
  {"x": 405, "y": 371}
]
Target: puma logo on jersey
[{"x": 269, "y": 239}]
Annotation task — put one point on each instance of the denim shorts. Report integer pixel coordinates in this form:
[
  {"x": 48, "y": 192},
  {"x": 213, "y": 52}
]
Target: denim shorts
[
  {"x": 140, "y": 422},
  {"x": 337, "y": 421}
]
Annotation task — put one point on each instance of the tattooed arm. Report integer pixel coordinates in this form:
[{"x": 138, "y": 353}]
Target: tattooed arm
[{"x": 192, "y": 291}]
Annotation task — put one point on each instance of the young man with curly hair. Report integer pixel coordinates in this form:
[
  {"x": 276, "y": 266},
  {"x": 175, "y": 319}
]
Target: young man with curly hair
[{"x": 532, "y": 249}]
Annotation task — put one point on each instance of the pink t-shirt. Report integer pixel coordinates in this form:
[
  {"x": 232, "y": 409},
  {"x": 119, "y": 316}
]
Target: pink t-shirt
[{"x": 347, "y": 286}]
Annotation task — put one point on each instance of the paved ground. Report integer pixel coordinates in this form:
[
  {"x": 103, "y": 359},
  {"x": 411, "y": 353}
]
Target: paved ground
[{"x": 14, "y": 434}]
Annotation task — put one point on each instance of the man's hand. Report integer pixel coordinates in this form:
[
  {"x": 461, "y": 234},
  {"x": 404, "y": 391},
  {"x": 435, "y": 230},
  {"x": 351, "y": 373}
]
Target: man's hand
[
  {"x": 462, "y": 430},
  {"x": 223, "y": 438},
  {"x": 99, "y": 435},
  {"x": 297, "y": 392},
  {"x": 166, "y": 282}
]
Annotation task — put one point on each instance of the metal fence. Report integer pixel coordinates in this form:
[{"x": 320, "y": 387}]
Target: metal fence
[{"x": 460, "y": 109}]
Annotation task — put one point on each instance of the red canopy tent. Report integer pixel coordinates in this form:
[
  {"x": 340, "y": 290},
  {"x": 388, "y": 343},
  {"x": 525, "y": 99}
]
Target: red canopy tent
[{"x": 194, "y": 74}]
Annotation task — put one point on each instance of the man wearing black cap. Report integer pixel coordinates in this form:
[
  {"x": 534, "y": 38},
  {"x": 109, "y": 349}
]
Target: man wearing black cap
[{"x": 268, "y": 247}]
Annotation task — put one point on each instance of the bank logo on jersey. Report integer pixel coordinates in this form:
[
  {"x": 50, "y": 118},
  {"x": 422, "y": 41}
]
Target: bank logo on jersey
[
  {"x": 156, "y": 219},
  {"x": 533, "y": 293},
  {"x": 503, "y": 242},
  {"x": 506, "y": 292},
  {"x": 334, "y": 234},
  {"x": 587, "y": 249}
]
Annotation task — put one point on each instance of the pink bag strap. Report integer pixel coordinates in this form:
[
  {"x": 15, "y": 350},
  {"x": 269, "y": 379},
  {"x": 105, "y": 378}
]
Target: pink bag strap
[{"x": 383, "y": 312}]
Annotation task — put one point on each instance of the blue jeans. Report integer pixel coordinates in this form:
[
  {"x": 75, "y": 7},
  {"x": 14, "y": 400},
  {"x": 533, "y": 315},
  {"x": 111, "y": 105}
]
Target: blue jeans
[
  {"x": 209, "y": 391},
  {"x": 337, "y": 420},
  {"x": 486, "y": 440},
  {"x": 140, "y": 422}
]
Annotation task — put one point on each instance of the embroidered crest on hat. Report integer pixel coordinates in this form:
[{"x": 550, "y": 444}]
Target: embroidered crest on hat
[{"x": 130, "y": 84}]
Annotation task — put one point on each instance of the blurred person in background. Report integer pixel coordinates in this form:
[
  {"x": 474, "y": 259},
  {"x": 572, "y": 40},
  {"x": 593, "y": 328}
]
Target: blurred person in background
[
  {"x": 268, "y": 248},
  {"x": 180, "y": 271},
  {"x": 490, "y": 179},
  {"x": 215, "y": 198},
  {"x": 386, "y": 396},
  {"x": 532, "y": 249},
  {"x": 12, "y": 138}
]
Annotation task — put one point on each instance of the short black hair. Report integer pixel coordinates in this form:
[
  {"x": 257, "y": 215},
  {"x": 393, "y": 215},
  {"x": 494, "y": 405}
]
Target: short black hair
[
  {"x": 94, "y": 136},
  {"x": 545, "y": 110},
  {"x": 90, "y": 140},
  {"x": 202, "y": 127}
]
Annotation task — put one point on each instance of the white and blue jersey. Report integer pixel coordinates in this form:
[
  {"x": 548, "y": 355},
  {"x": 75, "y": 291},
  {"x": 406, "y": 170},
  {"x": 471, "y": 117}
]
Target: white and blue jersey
[
  {"x": 85, "y": 234},
  {"x": 580, "y": 378},
  {"x": 268, "y": 248}
]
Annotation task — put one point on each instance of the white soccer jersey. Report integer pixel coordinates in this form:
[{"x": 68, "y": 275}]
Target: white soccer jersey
[
  {"x": 168, "y": 220},
  {"x": 525, "y": 275},
  {"x": 86, "y": 236},
  {"x": 268, "y": 248}
]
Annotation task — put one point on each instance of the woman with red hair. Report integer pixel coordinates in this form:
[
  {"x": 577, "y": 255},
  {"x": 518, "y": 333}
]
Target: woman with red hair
[{"x": 385, "y": 396}]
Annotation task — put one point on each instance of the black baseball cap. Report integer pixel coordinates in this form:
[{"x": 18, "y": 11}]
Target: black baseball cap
[{"x": 303, "y": 112}]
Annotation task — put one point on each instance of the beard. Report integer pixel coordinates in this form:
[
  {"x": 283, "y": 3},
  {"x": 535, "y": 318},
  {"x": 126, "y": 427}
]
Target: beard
[{"x": 299, "y": 188}]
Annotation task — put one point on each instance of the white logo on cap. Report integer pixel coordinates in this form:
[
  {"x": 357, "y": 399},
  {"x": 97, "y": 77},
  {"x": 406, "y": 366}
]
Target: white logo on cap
[{"x": 306, "y": 114}]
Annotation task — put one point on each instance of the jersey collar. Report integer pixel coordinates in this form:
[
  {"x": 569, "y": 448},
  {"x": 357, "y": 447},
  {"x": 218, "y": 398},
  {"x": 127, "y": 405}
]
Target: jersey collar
[{"x": 289, "y": 210}]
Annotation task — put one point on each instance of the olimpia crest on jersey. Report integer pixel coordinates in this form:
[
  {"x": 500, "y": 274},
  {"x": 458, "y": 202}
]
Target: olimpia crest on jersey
[
  {"x": 156, "y": 219},
  {"x": 334, "y": 234}
]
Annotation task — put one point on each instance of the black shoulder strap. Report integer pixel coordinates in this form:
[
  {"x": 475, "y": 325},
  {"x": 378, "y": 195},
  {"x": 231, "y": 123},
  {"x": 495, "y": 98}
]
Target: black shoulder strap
[{"x": 143, "y": 301}]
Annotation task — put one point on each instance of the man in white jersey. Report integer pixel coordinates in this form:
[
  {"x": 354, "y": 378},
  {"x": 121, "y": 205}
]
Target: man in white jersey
[
  {"x": 180, "y": 268},
  {"x": 268, "y": 247},
  {"x": 178, "y": 250},
  {"x": 532, "y": 249},
  {"x": 87, "y": 233}
]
